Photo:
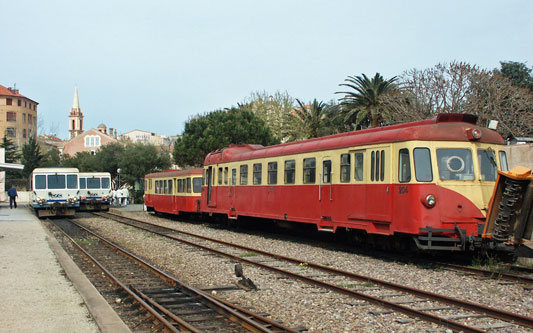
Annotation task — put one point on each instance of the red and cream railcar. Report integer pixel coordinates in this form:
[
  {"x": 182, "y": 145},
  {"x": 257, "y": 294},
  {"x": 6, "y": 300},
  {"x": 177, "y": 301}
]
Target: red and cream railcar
[
  {"x": 173, "y": 192},
  {"x": 431, "y": 180}
]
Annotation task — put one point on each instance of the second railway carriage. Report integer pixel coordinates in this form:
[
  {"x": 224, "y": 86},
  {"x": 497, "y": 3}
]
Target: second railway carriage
[
  {"x": 173, "y": 191},
  {"x": 95, "y": 191},
  {"x": 430, "y": 181},
  {"x": 55, "y": 191}
]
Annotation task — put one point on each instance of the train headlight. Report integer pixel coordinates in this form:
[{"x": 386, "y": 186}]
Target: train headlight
[
  {"x": 474, "y": 134},
  {"x": 429, "y": 201}
]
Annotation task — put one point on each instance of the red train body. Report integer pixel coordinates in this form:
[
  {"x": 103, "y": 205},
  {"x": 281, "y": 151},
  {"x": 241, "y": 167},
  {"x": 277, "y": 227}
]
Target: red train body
[{"x": 430, "y": 180}]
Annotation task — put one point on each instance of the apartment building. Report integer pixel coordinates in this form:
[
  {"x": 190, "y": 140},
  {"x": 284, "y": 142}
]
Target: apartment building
[{"x": 18, "y": 116}]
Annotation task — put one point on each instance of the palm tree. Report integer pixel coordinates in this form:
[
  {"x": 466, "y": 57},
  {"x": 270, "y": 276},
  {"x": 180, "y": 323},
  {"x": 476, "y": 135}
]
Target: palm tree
[
  {"x": 367, "y": 99},
  {"x": 310, "y": 119}
]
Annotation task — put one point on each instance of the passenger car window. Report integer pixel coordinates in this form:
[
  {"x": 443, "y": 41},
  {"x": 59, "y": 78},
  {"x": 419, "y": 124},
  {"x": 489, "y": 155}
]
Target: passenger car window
[
  {"x": 309, "y": 170},
  {"x": 423, "y": 169},
  {"x": 197, "y": 184},
  {"x": 487, "y": 164},
  {"x": 455, "y": 164},
  {"x": 258, "y": 169},
  {"x": 244, "y": 175},
  {"x": 272, "y": 173},
  {"x": 404, "y": 166},
  {"x": 233, "y": 176},
  {"x": 345, "y": 168},
  {"x": 290, "y": 170},
  {"x": 326, "y": 169},
  {"x": 358, "y": 166}
]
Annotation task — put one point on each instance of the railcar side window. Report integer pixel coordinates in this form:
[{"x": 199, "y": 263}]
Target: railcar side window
[
  {"x": 372, "y": 165},
  {"x": 382, "y": 169},
  {"x": 258, "y": 168},
  {"x": 56, "y": 182},
  {"x": 179, "y": 185},
  {"x": 455, "y": 164},
  {"x": 93, "y": 183},
  {"x": 219, "y": 176},
  {"x": 72, "y": 181},
  {"x": 233, "y": 176},
  {"x": 503, "y": 161},
  {"x": 404, "y": 166},
  {"x": 188, "y": 184},
  {"x": 345, "y": 168},
  {"x": 83, "y": 184},
  {"x": 487, "y": 164},
  {"x": 309, "y": 170},
  {"x": 197, "y": 184},
  {"x": 244, "y": 175},
  {"x": 290, "y": 170},
  {"x": 423, "y": 169},
  {"x": 40, "y": 182},
  {"x": 170, "y": 186},
  {"x": 326, "y": 169},
  {"x": 225, "y": 176},
  {"x": 272, "y": 173},
  {"x": 358, "y": 165}
]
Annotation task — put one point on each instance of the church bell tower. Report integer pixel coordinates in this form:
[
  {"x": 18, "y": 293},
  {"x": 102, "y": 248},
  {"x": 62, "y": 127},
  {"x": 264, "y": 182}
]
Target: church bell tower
[{"x": 75, "y": 119}]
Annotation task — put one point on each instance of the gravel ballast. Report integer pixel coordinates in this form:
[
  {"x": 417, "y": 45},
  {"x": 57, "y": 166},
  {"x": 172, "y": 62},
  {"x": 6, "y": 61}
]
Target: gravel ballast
[{"x": 295, "y": 302}]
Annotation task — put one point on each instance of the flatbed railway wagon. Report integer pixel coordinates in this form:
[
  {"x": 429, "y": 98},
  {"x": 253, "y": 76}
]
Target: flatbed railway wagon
[
  {"x": 425, "y": 184},
  {"x": 55, "y": 191},
  {"x": 173, "y": 191},
  {"x": 95, "y": 191}
]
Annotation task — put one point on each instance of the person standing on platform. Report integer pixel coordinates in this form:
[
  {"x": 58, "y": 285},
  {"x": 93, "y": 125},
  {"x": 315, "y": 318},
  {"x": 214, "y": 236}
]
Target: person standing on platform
[{"x": 12, "y": 193}]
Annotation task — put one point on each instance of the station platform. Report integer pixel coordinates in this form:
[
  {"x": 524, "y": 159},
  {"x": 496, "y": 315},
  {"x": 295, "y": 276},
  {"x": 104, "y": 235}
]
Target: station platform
[{"x": 41, "y": 288}]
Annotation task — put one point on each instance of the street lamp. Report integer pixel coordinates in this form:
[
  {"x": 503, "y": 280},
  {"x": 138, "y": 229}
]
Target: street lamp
[{"x": 118, "y": 172}]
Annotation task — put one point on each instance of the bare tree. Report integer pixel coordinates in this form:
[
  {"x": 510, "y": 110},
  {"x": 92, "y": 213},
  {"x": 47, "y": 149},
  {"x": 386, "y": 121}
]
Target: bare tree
[{"x": 463, "y": 88}]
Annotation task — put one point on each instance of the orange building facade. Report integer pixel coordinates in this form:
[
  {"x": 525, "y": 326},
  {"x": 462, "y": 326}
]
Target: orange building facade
[{"x": 18, "y": 116}]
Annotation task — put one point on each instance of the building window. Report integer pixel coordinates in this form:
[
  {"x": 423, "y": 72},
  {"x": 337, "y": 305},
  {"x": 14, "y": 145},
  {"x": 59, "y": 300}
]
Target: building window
[
  {"x": 19, "y": 102},
  {"x": 92, "y": 141},
  {"x": 11, "y": 132},
  {"x": 11, "y": 116},
  {"x": 9, "y": 101},
  {"x": 24, "y": 133},
  {"x": 29, "y": 119},
  {"x": 25, "y": 104},
  {"x": 24, "y": 118}
]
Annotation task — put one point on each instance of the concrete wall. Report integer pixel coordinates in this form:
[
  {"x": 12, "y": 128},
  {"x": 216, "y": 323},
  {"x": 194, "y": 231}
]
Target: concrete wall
[{"x": 520, "y": 154}]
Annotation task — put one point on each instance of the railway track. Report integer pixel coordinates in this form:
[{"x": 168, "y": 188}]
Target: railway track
[
  {"x": 174, "y": 305},
  {"x": 449, "y": 312}
]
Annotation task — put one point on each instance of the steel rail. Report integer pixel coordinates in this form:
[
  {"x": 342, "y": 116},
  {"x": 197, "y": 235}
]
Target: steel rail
[
  {"x": 493, "y": 312},
  {"x": 487, "y": 273},
  {"x": 371, "y": 299},
  {"x": 115, "y": 280},
  {"x": 213, "y": 303}
]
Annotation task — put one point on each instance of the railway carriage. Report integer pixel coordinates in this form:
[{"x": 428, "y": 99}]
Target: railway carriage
[
  {"x": 95, "y": 191},
  {"x": 429, "y": 181},
  {"x": 174, "y": 192},
  {"x": 55, "y": 191}
]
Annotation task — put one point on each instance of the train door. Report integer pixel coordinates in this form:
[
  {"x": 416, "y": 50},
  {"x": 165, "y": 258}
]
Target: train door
[
  {"x": 378, "y": 188},
  {"x": 211, "y": 195},
  {"x": 174, "y": 196},
  {"x": 326, "y": 193}
]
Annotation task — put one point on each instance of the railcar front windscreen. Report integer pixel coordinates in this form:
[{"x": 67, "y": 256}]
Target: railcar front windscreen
[
  {"x": 455, "y": 164},
  {"x": 56, "y": 182},
  {"x": 40, "y": 182}
]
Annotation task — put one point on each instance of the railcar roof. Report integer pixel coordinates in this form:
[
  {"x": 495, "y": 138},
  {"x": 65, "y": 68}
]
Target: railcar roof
[
  {"x": 175, "y": 173},
  {"x": 99, "y": 174},
  {"x": 53, "y": 170},
  {"x": 445, "y": 127}
]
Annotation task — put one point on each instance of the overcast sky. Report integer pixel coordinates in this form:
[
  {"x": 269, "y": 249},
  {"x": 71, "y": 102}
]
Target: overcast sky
[{"x": 151, "y": 65}]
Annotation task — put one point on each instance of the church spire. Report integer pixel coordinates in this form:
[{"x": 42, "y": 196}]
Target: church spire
[
  {"x": 75, "y": 119},
  {"x": 76, "y": 103}
]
